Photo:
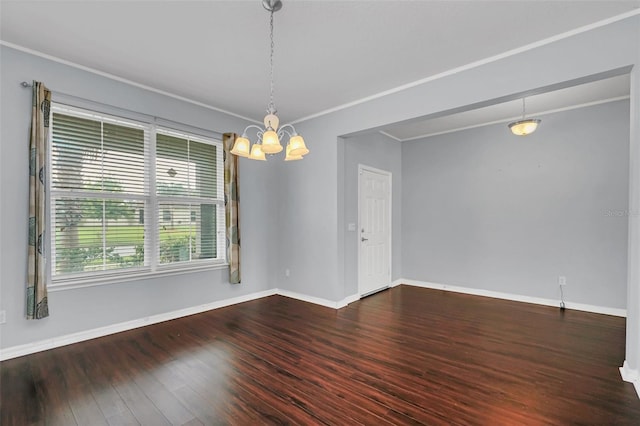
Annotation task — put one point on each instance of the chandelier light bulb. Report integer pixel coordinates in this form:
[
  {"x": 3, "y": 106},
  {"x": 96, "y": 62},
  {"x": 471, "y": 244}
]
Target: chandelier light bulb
[
  {"x": 257, "y": 153},
  {"x": 297, "y": 146},
  {"x": 290, "y": 157},
  {"x": 241, "y": 147},
  {"x": 271, "y": 142}
]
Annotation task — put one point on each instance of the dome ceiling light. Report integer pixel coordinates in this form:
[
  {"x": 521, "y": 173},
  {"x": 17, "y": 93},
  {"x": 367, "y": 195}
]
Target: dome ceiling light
[{"x": 524, "y": 127}]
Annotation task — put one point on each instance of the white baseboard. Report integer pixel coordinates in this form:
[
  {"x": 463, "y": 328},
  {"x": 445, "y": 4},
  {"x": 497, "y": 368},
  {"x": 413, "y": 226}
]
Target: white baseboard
[
  {"x": 43, "y": 345},
  {"x": 397, "y": 282},
  {"x": 630, "y": 375},
  {"x": 317, "y": 300},
  {"x": 311, "y": 299},
  {"x": 515, "y": 297},
  {"x": 347, "y": 300}
]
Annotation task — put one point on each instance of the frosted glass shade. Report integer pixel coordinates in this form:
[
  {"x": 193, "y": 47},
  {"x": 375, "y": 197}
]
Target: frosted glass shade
[
  {"x": 271, "y": 143},
  {"x": 524, "y": 127},
  {"x": 241, "y": 147},
  {"x": 257, "y": 153},
  {"x": 297, "y": 146},
  {"x": 290, "y": 157}
]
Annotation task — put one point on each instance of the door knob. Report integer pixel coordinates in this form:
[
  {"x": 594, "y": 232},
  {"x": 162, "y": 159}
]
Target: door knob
[{"x": 364, "y": 239}]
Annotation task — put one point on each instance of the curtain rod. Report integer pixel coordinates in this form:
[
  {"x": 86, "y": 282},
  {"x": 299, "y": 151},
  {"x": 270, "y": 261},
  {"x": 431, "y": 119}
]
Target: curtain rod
[{"x": 152, "y": 117}]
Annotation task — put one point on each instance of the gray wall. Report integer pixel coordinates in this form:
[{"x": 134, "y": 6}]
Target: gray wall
[
  {"x": 314, "y": 188},
  {"x": 87, "y": 308},
  {"x": 307, "y": 222},
  {"x": 381, "y": 152},
  {"x": 488, "y": 210}
]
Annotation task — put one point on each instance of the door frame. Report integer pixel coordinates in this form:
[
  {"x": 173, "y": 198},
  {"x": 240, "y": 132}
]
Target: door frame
[{"x": 361, "y": 168}]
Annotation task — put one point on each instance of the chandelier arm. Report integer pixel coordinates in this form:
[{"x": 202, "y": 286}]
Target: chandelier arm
[
  {"x": 281, "y": 133},
  {"x": 293, "y": 129},
  {"x": 244, "y": 134}
]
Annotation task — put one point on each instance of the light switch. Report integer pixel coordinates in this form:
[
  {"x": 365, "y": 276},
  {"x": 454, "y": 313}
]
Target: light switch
[{"x": 351, "y": 227}]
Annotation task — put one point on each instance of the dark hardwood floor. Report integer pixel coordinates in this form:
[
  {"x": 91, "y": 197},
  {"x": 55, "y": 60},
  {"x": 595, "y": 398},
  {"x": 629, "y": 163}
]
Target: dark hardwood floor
[{"x": 403, "y": 356}]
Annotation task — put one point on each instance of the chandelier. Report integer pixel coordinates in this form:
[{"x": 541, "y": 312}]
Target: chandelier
[
  {"x": 524, "y": 127},
  {"x": 270, "y": 135}
]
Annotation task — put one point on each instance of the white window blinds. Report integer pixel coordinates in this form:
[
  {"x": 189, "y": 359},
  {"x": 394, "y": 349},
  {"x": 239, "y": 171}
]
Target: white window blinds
[
  {"x": 98, "y": 182},
  {"x": 111, "y": 212},
  {"x": 190, "y": 202}
]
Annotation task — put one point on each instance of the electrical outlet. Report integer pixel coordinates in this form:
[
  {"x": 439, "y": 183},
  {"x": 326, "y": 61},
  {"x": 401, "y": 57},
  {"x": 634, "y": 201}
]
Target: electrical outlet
[
  {"x": 3, "y": 317},
  {"x": 562, "y": 280}
]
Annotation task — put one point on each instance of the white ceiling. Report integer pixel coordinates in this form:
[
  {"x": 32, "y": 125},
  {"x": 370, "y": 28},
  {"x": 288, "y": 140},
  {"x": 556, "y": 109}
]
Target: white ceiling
[{"x": 328, "y": 53}]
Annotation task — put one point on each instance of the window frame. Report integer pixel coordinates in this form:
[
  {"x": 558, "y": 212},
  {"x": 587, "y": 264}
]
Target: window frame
[{"x": 151, "y": 266}]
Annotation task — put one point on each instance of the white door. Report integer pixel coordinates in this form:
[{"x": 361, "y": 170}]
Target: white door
[{"x": 374, "y": 231}]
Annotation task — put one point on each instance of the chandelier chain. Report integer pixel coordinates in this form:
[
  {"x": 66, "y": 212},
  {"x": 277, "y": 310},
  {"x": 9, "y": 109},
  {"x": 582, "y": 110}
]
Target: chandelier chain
[{"x": 272, "y": 107}]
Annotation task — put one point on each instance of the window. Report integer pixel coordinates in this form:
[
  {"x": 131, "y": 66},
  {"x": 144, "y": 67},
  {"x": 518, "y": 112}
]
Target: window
[
  {"x": 130, "y": 198},
  {"x": 187, "y": 196}
]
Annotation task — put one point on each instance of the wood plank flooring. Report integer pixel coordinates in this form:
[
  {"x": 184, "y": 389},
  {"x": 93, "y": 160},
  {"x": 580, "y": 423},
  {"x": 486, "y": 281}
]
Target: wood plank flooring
[{"x": 404, "y": 356}]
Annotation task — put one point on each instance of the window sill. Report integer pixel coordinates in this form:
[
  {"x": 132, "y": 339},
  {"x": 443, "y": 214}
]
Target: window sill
[{"x": 167, "y": 271}]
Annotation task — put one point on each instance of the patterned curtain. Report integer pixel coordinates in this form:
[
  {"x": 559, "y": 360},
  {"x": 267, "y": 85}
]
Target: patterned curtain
[
  {"x": 37, "y": 305},
  {"x": 232, "y": 206}
]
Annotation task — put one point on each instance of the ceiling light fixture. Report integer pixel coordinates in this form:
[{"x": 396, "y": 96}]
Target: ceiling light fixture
[
  {"x": 269, "y": 137},
  {"x": 524, "y": 127}
]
